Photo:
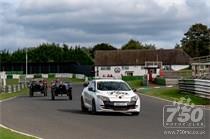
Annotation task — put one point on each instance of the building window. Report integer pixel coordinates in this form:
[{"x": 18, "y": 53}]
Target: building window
[
  {"x": 105, "y": 68},
  {"x": 129, "y": 73},
  {"x": 125, "y": 67}
]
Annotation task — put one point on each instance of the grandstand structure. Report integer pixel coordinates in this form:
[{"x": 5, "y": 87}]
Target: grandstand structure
[{"x": 201, "y": 67}]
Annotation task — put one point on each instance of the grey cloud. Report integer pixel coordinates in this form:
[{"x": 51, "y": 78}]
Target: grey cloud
[{"x": 105, "y": 21}]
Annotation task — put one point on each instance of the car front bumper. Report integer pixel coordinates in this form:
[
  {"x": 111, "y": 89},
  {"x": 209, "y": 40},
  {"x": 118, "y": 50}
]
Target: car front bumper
[{"x": 110, "y": 107}]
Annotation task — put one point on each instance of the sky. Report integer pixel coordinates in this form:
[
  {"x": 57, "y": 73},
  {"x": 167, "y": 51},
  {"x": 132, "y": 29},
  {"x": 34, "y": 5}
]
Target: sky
[{"x": 28, "y": 23}]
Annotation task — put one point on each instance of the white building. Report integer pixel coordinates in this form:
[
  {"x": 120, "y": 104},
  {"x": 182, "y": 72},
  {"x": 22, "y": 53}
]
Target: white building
[{"x": 118, "y": 63}]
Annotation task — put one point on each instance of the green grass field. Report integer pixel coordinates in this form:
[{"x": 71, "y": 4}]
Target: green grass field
[
  {"x": 7, "y": 134},
  {"x": 173, "y": 94}
]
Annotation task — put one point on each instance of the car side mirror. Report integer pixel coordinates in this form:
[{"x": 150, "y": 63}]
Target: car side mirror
[
  {"x": 91, "y": 89},
  {"x": 85, "y": 84}
]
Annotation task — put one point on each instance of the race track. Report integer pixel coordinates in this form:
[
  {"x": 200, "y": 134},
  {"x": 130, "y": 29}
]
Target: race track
[{"x": 63, "y": 119}]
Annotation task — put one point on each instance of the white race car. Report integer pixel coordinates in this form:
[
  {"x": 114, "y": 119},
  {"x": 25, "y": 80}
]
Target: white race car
[{"x": 109, "y": 95}]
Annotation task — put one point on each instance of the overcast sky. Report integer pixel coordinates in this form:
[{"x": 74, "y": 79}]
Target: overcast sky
[{"x": 27, "y": 23}]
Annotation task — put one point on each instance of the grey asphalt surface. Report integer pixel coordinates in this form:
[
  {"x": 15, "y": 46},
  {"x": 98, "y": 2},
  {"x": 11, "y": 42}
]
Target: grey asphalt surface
[{"x": 63, "y": 119}]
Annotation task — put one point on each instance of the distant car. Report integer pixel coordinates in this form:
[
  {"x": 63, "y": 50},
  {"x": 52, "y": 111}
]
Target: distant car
[
  {"x": 61, "y": 88},
  {"x": 38, "y": 85},
  {"x": 109, "y": 95}
]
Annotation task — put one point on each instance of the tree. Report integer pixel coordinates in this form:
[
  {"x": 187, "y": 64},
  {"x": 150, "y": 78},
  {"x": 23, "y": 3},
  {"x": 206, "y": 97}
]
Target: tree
[
  {"x": 196, "y": 41},
  {"x": 177, "y": 46},
  {"x": 132, "y": 44},
  {"x": 149, "y": 46},
  {"x": 102, "y": 46}
]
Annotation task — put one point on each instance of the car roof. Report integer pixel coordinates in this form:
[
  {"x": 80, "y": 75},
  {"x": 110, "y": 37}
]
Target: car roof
[{"x": 109, "y": 80}]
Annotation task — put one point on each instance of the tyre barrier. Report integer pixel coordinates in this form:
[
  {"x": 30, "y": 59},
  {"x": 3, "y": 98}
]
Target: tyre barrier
[{"x": 12, "y": 88}]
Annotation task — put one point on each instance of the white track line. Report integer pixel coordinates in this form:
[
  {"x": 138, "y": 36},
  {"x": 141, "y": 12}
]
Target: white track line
[
  {"x": 8, "y": 99},
  {"x": 20, "y": 132}
]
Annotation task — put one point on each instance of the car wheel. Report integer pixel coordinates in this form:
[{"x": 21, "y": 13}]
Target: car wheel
[
  {"x": 93, "y": 111},
  {"x": 53, "y": 95},
  {"x": 31, "y": 94},
  {"x": 135, "y": 113},
  {"x": 70, "y": 95},
  {"x": 83, "y": 108},
  {"x": 45, "y": 92}
]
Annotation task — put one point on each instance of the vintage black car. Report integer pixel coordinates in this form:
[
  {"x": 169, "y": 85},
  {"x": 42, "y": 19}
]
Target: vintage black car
[
  {"x": 38, "y": 85},
  {"x": 60, "y": 88}
]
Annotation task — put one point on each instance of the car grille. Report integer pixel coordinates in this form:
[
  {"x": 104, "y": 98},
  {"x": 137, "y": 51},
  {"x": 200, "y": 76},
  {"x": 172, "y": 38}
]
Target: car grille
[{"x": 110, "y": 105}]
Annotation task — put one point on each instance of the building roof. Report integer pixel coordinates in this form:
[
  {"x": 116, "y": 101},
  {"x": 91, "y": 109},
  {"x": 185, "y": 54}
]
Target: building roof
[{"x": 138, "y": 57}]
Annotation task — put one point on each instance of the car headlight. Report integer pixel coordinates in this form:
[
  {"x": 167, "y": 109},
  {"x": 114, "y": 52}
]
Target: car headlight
[
  {"x": 134, "y": 98},
  {"x": 103, "y": 98}
]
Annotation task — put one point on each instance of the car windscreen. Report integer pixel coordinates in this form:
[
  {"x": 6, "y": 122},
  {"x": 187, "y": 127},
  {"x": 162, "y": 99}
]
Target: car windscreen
[{"x": 112, "y": 86}]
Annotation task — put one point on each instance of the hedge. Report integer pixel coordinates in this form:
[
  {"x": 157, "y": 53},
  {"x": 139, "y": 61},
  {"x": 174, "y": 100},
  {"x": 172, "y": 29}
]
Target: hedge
[
  {"x": 51, "y": 75},
  {"x": 160, "y": 81},
  {"x": 9, "y": 76},
  {"x": 37, "y": 76},
  {"x": 131, "y": 78}
]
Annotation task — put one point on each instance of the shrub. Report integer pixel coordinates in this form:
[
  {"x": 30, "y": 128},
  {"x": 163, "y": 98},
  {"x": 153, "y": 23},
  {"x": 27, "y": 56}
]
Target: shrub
[
  {"x": 130, "y": 78},
  {"x": 160, "y": 81},
  {"x": 51, "y": 75},
  {"x": 37, "y": 76},
  {"x": 74, "y": 76},
  {"x": 9, "y": 76}
]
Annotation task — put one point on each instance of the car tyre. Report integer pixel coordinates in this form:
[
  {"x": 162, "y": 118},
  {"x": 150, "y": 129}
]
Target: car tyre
[
  {"x": 53, "y": 95},
  {"x": 93, "y": 110},
  {"x": 83, "y": 108},
  {"x": 45, "y": 92},
  {"x": 31, "y": 94},
  {"x": 70, "y": 95}
]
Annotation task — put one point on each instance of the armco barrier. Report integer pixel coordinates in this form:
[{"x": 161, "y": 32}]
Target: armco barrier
[
  {"x": 80, "y": 76},
  {"x": 63, "y": 75},
  {"x": 196, "y": 86},
  {"x": 172, "y": 81}
]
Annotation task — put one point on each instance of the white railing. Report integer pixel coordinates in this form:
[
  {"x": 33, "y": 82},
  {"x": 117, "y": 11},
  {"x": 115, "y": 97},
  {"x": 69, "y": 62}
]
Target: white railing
[
  {"x": 196, "y": 86},
  {"x": 203, "y": 59}
]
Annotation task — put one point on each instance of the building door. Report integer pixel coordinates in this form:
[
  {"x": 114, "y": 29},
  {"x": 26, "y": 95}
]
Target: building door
[{"x": 150, "y": 75}]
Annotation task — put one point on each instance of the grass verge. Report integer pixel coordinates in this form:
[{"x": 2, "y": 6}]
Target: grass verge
[
  {"x": 135, "y": 83},
  {"x": 10, "y": 95},
  {"x": 71, "y": 80},
  {"x": 12, "y": 81},
  {"x": 8, "y": 134},
  {"x": 173, "y": 94}
]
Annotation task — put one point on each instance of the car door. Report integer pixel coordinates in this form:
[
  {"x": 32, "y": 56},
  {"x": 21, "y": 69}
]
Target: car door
[{"x": 91, "y": 92}]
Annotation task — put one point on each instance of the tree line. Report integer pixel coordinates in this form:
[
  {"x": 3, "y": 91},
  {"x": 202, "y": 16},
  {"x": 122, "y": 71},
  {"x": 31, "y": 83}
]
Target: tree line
[
  {"x": 46, "y": 53},
  {"x": 51, "y": 52}
]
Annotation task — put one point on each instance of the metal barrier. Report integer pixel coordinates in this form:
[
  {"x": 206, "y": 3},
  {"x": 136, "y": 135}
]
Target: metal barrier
[{"x": 196, "y": 86}]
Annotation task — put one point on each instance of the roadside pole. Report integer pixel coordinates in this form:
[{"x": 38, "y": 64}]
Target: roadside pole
[{"x": 26, "y": 65}]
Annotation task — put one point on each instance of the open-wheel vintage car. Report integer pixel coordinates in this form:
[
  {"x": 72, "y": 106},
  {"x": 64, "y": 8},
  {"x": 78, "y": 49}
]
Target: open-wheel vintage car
[
  {"x": 60, "y": 88},
  {"x": 38, "y": 85}
]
